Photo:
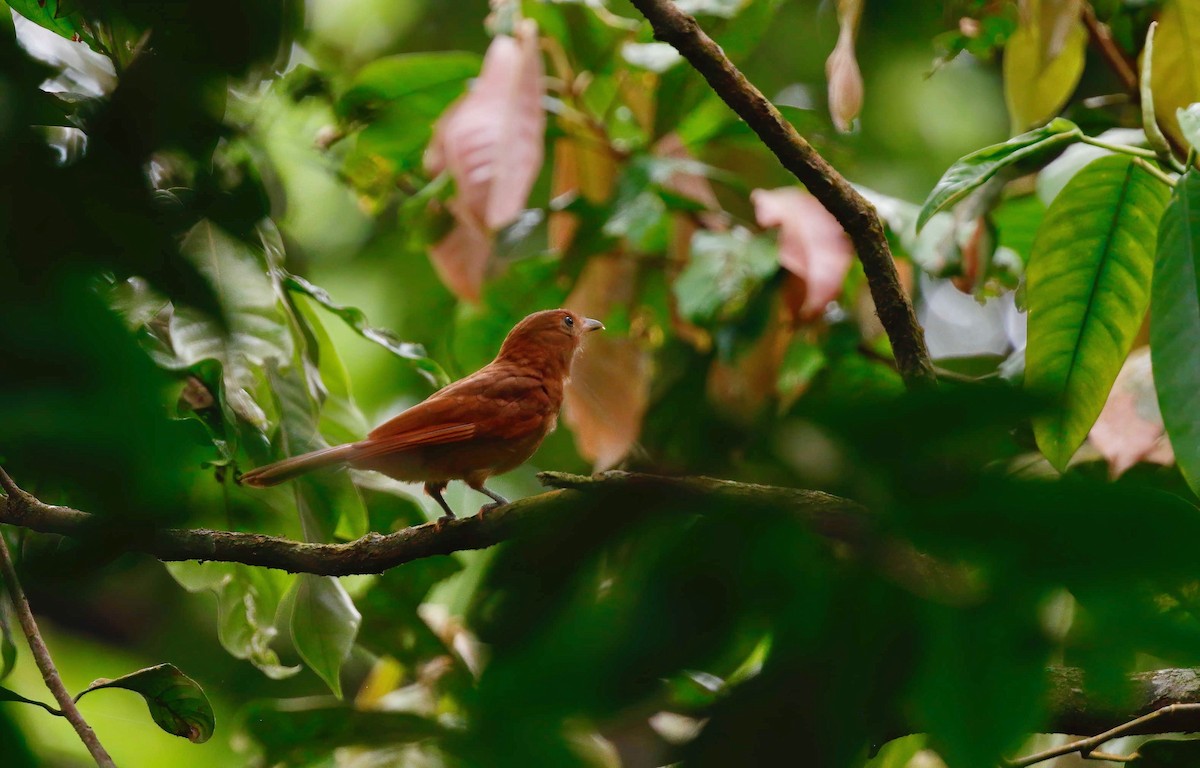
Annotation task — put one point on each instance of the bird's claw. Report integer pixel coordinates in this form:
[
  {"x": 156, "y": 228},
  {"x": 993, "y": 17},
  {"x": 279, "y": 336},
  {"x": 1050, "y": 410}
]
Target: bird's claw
[
  {"x": 488, "y": 508},
  {"x": 441, "y": 521}
]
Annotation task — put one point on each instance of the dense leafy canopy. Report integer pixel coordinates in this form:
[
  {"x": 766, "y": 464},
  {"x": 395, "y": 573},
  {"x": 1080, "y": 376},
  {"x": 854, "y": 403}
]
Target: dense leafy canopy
[{"x": 237, "y": 231}]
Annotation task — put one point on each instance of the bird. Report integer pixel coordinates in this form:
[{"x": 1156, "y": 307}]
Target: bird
[{"x": 480, "y": 426}]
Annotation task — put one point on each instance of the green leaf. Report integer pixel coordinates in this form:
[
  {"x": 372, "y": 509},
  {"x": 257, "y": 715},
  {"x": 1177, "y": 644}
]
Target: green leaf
[
  {"x": 1176, "y": 76},
  {"x": 324, "y": 625},
  {"x": 297, "y": 732},
  {"x": 176, "y": 703},
  {"x": 1038, "y": 79},
  {"x": 59, "y": 16},
  {"x": 247, "y": 599},
  {"x": 7, "y": 695},
  {"x": 976, "y": 168},
  {"x": 724, "y": 270},
  {"x": 354, "y": 317},
  {"x": 1167, "y": 753},
  {"x": 1175, "y": 324},
  {"x": 1088, "y": 286},
  {"x": 417, "y": 78}
]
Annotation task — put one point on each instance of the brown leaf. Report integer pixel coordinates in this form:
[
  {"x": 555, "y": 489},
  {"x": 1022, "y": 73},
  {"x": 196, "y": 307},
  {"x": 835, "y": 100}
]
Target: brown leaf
[
  {"x": 1130, "y": 428},
  {"x": 609, "y": 390},
  {"x": 743, "y": 386},
  {"x": 461, "y": 257},
  {"x": 841, "y": 68},
  {"x": 812, "y": 245}
]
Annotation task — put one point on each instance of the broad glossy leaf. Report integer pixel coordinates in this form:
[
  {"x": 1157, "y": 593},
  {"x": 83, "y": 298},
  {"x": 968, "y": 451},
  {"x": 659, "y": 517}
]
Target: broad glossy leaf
[
  {"x": 1043, "y": 61},
  {"x": 976, "y": 168},
  {"x": 354, "y": 317},
  {"x": 63, "y": 17},
  {"x": 176, "y": 702},
  {"x": 324, "y": 625},
  {"x": 1175, "y": 324},
  {"x": 297, "y": 732},
  {"x": 1088, "y": 286},
  {"x": 1176, "y": 76},
  {"x": 724, "y": 270}
]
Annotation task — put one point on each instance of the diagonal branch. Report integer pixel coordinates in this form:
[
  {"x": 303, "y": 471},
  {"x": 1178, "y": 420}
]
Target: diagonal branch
[
  {"x": 41, "y": 654},
  {"x": 857, "y": 216}
]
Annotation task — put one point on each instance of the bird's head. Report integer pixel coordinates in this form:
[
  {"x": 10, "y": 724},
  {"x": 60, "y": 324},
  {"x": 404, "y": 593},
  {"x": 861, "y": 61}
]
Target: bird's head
[{"x": 551, "y": 336}]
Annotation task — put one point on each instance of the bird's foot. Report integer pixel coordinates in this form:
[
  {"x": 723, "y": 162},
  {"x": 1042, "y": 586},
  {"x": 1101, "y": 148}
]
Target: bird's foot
[
  {"x": 441, "y": 521},
  {"x": 488, "y": 508}
]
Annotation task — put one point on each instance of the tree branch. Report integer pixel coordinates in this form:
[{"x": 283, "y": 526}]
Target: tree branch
[
  {"x": 37, "y": 646},
  {"x": 856, "y": 215},
  {"x": 1102, "y": 40},
  {"x": 1073, "y": 708}
]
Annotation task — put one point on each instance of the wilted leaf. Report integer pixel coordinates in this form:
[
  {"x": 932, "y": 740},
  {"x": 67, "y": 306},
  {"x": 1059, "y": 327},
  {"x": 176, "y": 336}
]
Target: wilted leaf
[
  {"x": 606, "y": 398},
  {"x": 324, "y": 625},
  {"x": 724, "y": 270},
  {"x": 976, "y": 168},
  {"x": 176, "y": 703},
  {"x": 812, "y": 244},
  {"x": 1175, "y": 324},
  {"x": 1043, "y": 60},
  {"x": 1176, "y": 77},
  {"x": 1088, "y": 286},
  {"x": 1130, "y": 428},
  {"x": 1154, "y": 134},
  {"x": 841, "y": 68}
]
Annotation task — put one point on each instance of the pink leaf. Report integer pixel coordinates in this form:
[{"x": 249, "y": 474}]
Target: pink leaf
[
  {"x": 812, "y": 245},
  {"x": 1130, "y": 428},
  {"x": 491, "y": 140}
]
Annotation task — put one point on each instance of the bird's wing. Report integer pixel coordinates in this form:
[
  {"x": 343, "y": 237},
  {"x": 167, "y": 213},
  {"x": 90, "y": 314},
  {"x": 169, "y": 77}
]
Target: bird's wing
[{"x": 491, "y": 403}]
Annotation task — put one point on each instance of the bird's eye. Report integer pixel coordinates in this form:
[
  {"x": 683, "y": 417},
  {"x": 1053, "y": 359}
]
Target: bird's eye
[{"x": 569, "y": 321}]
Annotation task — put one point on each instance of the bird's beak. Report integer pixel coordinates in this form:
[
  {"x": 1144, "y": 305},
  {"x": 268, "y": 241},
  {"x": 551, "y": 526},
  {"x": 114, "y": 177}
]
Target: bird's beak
[{"x": 590, "y": 325}]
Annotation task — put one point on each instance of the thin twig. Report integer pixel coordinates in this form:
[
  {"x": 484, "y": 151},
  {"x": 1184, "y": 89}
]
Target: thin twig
[
  {"x": 856, "y": 215},
  {"x": 1087, "y": 747},
  {"x": 1102, "y": 41},
  {"x": 41, "y": 654}
]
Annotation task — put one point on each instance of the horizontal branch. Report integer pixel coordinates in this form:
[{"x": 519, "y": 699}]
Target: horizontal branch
[
  {"x": 1073, "y": 710},
  {"x": 375, "y": 553}
]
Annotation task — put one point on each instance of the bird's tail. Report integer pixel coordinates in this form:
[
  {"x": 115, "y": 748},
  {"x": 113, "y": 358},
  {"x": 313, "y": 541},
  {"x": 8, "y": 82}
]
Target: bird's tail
[{"x": 273, "y": 474}]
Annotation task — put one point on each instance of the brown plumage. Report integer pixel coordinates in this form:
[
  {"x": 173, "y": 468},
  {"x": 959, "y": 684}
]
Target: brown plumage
[{"x": 483, "y": 425}]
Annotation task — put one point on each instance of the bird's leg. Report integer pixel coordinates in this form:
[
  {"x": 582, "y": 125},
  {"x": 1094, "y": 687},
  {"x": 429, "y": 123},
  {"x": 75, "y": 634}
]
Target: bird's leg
[
  {"x": 497, "y": 499},
  {"x": 435, "y": 490}
]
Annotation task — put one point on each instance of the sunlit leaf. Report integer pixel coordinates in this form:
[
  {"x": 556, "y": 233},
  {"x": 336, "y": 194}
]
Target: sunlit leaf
[
  {"x": 1088, "y": 287},
  {"x": 973, "y": 170},
  {"x": 1189, "y": 124},
  {"x": 324, "y": 624},
  {"x": 176, "y": 703},
  {"x": 414, "y": 80},
  {"x": 1175, "y": 324},
  {"x": 1043, "y": 61},
  {"x": 63, "y": 17},
  {"x": 1176, "y": 76}
]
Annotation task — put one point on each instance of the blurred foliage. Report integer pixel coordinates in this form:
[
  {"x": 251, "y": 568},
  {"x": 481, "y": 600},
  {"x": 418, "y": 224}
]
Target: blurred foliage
[{"x": 226, "y": 242}]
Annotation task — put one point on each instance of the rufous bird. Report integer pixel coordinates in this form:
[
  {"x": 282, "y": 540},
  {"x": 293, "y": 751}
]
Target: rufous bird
[{"x": 486, "y": 424}]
